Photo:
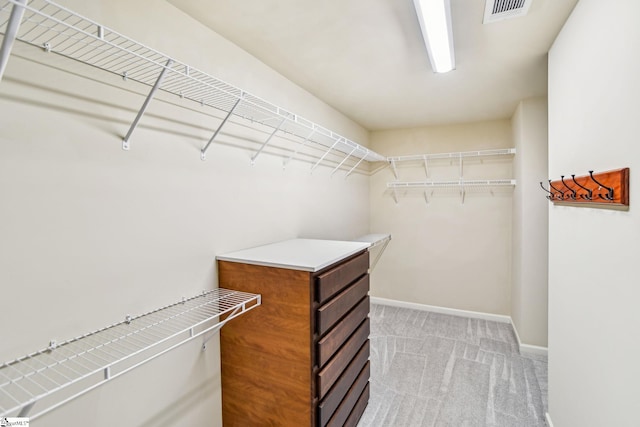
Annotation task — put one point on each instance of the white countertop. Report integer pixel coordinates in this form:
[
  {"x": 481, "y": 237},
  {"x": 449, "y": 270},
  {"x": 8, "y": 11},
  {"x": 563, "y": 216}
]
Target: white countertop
[{"x": 297, "y": 254}]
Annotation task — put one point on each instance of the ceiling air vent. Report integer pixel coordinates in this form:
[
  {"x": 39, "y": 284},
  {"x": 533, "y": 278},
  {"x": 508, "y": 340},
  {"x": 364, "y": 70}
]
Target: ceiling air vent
[{"x": 498, "y": 10}]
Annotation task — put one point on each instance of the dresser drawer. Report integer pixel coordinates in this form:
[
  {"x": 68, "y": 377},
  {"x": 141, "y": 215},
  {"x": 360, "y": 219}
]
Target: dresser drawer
[
  {"x": 332, "y": 341},
  {"x": 348, "y": 404},
  {"x": 333, "y": 281},
  {"x": 336, "y": 366},
  {"x": 330, "y": 403},
  {"x": 359, "y": 408},
  {"x": 341, "y": 304}
]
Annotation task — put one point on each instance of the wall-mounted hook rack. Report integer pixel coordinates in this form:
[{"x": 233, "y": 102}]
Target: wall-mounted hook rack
[
  {"x": 587, "y": 195},
  {"x": 604, "y": 188},
  {"x": 551, "y": 195}
]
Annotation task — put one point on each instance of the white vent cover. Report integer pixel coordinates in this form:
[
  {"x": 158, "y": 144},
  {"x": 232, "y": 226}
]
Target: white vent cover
[{"x": 498, "y": 10}]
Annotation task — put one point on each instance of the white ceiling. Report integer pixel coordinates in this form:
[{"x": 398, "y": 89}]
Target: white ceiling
[{"x": 367, "y": 59}]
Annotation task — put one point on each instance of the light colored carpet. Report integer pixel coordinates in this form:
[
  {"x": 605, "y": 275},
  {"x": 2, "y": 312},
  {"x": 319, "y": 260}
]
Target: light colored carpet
[{"x": 436, "y": 370}]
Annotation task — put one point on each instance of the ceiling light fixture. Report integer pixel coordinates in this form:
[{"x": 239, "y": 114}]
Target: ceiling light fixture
[{"x": 435, "y": 23}]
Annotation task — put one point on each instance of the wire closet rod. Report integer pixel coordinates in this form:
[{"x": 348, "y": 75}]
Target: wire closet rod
[{"x": 64, "y": 371}]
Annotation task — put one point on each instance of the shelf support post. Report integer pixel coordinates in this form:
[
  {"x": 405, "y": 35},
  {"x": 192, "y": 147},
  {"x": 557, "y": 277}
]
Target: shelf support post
[
  {"x": 125, "y": 141},
  {"x": 203, "y": 152},
  {"x": 393, "y": 167},
  {"x": 356, "y": 165},
  {"x": 17, "y": 11},
  {"x": 326, "y": 154},
  {"x": 426, "y": 166},
  {"x": 264, "y": 144},
  {"x": 302, "y": 144},
  {"x": 344, "y": 160}
]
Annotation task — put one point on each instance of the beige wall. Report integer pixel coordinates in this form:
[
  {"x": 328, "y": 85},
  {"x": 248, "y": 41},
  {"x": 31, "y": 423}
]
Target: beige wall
[
  {"x": 445, "y": 253},
  {"x": 91, "y": 233},
  {"x": 530, "y": 223},
  {"x": 593, "y": 253}
]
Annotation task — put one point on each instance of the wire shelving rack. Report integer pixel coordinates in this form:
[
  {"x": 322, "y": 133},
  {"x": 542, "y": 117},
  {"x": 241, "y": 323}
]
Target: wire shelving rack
[
  {"x": 56, "y": 29},
  {"x": 460, "y": 156},
  {"x": 64, "y": 371}
]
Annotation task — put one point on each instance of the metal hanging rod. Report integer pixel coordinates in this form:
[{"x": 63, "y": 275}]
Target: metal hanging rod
[
  {"x": 57, "y": 29},
  {"x": 93, "y": 359}
]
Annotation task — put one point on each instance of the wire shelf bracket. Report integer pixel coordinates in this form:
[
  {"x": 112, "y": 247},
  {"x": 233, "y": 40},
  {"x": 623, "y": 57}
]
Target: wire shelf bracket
[
  {"x": 203, "y": 152},
  {"x": 13, "y": 26},
  {"x": 154, "y": 89},
  {"x": 343, "y": 160},
  {"x": 43, "y": 23},
  {"x": 302, "y": 144},
  {"x": 264, "y": 144},
  {"x": 326, "y": 154},
  {"x": 64, "y": 371}
]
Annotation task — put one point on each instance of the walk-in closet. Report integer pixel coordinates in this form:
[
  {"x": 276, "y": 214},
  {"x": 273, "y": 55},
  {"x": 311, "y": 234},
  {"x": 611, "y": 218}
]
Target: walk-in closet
[{"x": 382, "y": 213}]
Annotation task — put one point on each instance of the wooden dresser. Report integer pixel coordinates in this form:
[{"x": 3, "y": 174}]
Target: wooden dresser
[{"x": 302, "y": 358}]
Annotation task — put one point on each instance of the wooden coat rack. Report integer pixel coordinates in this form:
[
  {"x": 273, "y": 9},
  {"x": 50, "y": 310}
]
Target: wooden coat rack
[{"x": 605, "y": 188}]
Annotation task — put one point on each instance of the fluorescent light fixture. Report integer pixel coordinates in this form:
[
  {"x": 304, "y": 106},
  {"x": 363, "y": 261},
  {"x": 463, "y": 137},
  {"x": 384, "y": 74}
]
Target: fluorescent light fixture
[{"x": 435, "y": 23}]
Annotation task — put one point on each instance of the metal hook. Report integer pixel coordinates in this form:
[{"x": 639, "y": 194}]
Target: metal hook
[
  {"x": 573, "y": 192},
  {"x": 561, "y": 192},
  {"x": 550, "y": 196},
  {"x": 609, "y": 195},
  {"x": 589, "y": 194}
]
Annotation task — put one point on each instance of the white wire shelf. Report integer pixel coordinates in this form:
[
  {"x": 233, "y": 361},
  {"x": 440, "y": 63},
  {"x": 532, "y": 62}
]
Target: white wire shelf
[
  {"x": 63, "y": 371},
  {"x": 456, "y": 155},
  {"x": 54, "y": 28},
  {"x": 424, "y": 159},
  {"x": 455, "y": 183},
  {"x": 375, "y": 240},
  {"x": 462, "y": 184}
]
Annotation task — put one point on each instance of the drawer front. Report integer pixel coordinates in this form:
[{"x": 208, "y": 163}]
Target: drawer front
[
  {"x": 337, "y": 393},
  {"x": 336, "y": 308},
  {"x": 333, "y": 281},
  {"x": 334, "y": 368},
  {"x": 359, "y": 408},
  {"x": 350, "y": 402},
  {"x": 331, "y": 342}
]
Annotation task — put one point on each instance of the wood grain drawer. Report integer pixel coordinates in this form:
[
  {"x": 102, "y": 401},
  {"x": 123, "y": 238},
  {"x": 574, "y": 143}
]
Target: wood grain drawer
[
  {"x": 336, "y": 366},
  {"x": 328, "y": 406},
  {"x": 332, "y": 341},
  {"x": 351, "y": 399},
  {"x": 336, "y": 308},
  {"x": 358, "y": 409},
  {"x": 333, "y": 281}
]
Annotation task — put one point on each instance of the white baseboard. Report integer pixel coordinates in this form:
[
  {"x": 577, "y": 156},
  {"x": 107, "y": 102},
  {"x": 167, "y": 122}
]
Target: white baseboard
[
  {"x": 528, "y": 348},
  {"x": 534, "y": 349},
  {"x": 442, "y": 310},
  {"x": 524, "y": 348},
  {"x": 547, "y": 418}
]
